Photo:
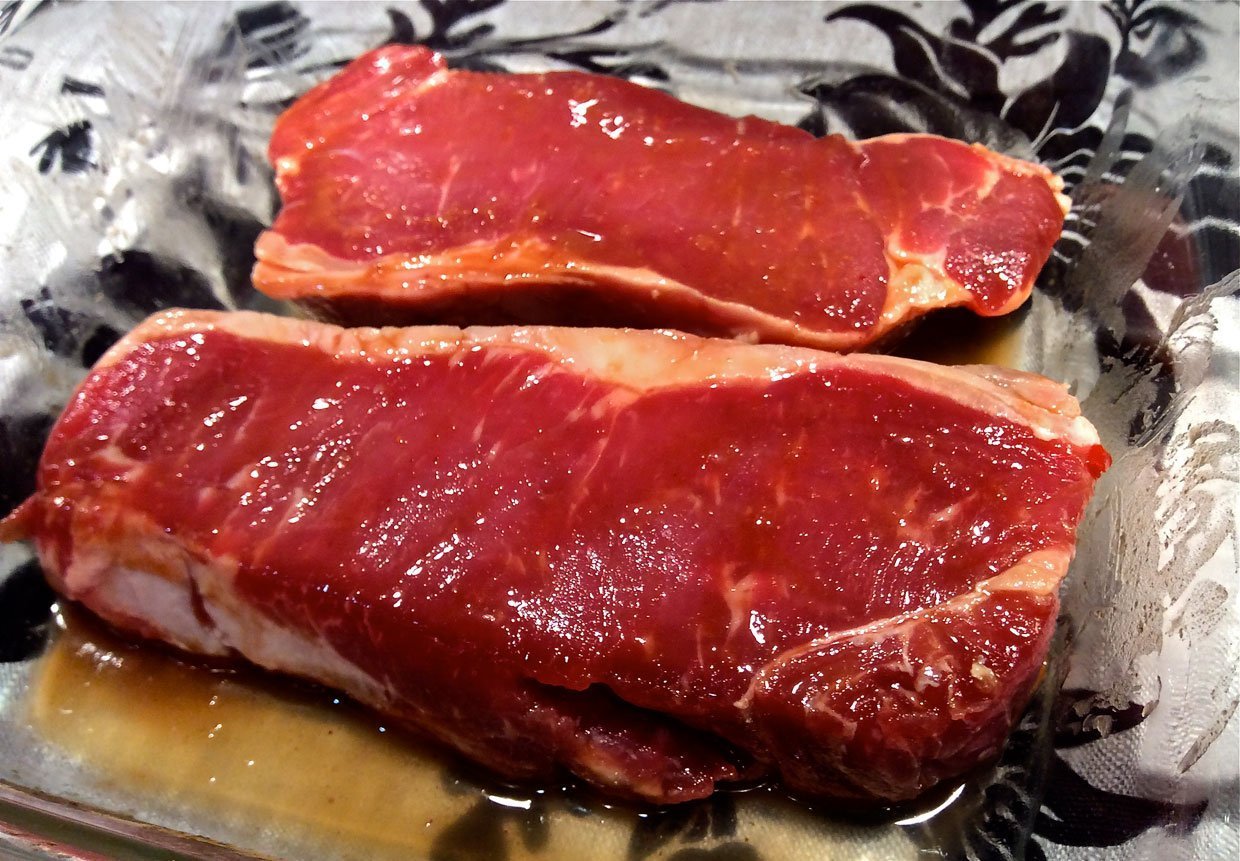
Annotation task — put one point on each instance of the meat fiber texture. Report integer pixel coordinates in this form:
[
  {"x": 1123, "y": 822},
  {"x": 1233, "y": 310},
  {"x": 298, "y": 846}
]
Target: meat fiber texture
[
  {"x": 657, "y": 561},
  {"x": 412, "y": 193}
]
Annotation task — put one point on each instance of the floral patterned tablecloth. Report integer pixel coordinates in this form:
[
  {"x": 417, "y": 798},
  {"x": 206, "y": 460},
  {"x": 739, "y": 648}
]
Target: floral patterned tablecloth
[{"x": 133, "y": 179}]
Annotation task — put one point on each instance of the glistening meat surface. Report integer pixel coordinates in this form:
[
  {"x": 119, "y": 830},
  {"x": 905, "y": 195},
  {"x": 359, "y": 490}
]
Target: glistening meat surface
[
  {"x": 658, "y": 561},
  {"x": 412, "y": 193}
]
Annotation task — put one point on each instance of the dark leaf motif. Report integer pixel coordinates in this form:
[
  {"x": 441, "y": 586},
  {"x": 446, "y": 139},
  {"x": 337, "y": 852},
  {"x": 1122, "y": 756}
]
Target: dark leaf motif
[
  {"x": 815, "y": 122},
  {"x": 965, "y": 72},
  {"x": 21, "y": 443},
  {"x": 1173, "y": 47},
  {"x": 97, "y": 343},
  {"x": 54, "y": 324},
  {"x": 1172, "y": 54},
  {"x": 656, "y": 829},
  {"x": 476, "y": 63},
  {"x": 255, "y": 20},
  {"x": 948, "y": 66},
  {"x": 25, "y": 606},
  {"x": 1141, "y": 349},
  {"x": 477, "y": 833},
  {"x": 1120, "y": 16},
  {"x": 15, "y": 58},
  {"x": 446, "y": 13},
  {"x": 873, "y": 105},
  {"x": 7, "y": 12},
  {"x": 474, "y": 49},
  {"x": 981, "y": 13},
  {"x": 71, "y": 149},
  {"x": 11, "y": 12},
  {"x": 1143, "y": 355},
  {"x": 1069, "y": 97},
  {"x": 234, "y": 231},
  {"x": 444, "y": 16},
  {"x": 651, "y": 8},
  {"x": 480, "y": 832},
  {"x": 68, "y": 333},
  {"x": 1012, "y": 42},
  {"x": 911, "y": 43},
  {"x": 533, "y": 826},
  {"x": 247, "y": 163},
  {"x": 990, "y": 818},
  {"x": 1034, "y": 851},
  {"x": 468, "y": 37},
  {"x": 714, "y": 817},
  {"x": 271, "y": 34},
  {"x": 1031, "y": 46},
  {"x": 71, "y": 86},
  {"x": 616, "y": 62},
  {"x": 403, "y": 32},
  {"x": 461, "y": 777},
  {"x": 141, "y": 283},
  {"x": 976, "y": 70},
  {"x": 1009, "y": 803},
  {"x": 602, "y": 25},
  {"x": 1080, "y": 814}
]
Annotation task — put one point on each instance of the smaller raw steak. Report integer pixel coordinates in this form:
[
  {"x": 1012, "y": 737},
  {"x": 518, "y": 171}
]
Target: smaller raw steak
[
  {"x": 659, "y": 561},
  {"x": 417, "y": 194}
]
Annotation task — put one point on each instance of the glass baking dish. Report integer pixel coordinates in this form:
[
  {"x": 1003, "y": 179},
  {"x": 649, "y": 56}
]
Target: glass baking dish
[{"x": 135, "y": 180}]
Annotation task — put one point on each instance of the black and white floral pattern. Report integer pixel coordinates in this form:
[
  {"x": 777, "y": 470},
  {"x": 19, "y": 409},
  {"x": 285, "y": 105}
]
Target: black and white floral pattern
[{"x": 135, "y": 181}]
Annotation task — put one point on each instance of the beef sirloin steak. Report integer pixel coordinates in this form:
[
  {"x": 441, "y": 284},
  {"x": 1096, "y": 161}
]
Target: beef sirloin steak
[
  {"x": 659, "y": 561},
  {"x": 413, "y": 193}
]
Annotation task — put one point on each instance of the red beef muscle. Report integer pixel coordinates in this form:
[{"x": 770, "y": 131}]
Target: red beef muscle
[
  {"x": 417, "y": 194},
  {"x": 659, "y": 561}
]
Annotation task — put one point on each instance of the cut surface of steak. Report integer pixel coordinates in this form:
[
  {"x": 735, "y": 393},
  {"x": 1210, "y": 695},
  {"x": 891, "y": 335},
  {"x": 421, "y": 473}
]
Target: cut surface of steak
[
  {"x": 659, "y": 561},
  {"x": 415, "y": 194}
]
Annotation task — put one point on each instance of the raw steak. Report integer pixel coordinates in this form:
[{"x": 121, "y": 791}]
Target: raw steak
[
  {"x": 660, "y": 561},
  {"x": 417, "y": 194}
]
